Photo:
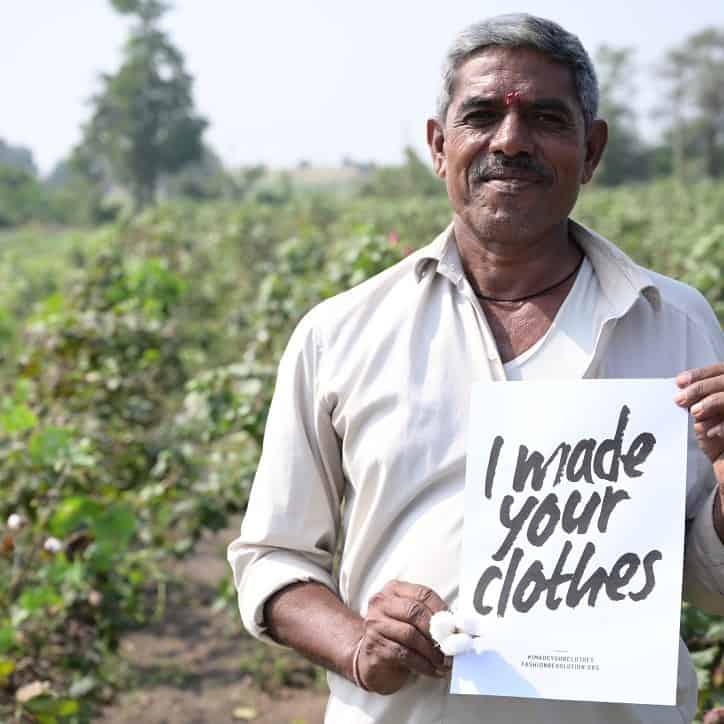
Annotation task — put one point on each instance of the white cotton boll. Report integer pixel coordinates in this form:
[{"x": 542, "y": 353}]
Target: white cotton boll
[
  {"x": 442, "y": 624},
  {"x": 468, "y": 623},
  {"x": 16, "y": 522},
  {"x": 457, "y": 643},
  {"x": 53, "y": 545}
]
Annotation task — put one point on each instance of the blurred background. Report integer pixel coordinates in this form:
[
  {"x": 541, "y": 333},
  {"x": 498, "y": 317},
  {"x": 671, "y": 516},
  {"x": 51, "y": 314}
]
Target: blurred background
[{"x": 179, "y": 183}]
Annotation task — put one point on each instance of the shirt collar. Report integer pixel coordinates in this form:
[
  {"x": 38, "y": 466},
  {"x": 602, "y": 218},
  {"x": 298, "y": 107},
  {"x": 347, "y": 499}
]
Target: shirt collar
[{"x": 622, "y": 281}]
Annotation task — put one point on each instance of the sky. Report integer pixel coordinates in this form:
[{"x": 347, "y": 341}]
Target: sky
[{"x": 282, "y": 81}]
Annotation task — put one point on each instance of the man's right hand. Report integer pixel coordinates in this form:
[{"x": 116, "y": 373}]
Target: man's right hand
[{"x": 396, "y": 640}]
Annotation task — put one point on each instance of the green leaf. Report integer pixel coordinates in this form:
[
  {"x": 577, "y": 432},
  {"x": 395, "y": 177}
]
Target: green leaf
[
  {"x": 7, "y": 666},
  {"x": 67, "y": 707},
  {"x": 71, "y": 513},
  {"x": 705, "y": 657},
  {"x": 39, "y": 597},
  {"x": 49, "y": 444},
  {"x": 115, "y": 525},
  {"x": 715, "y": 632},
  {"x": 7, "y": 639},
  {"x": 17, "y": 418}
]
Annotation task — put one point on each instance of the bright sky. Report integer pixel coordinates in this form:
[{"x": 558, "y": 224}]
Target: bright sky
[{"x": 282, "y": 80}]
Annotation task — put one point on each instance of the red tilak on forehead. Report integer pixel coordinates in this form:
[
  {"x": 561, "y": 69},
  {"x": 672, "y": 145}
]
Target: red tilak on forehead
[{"x": 512, "y": 97}]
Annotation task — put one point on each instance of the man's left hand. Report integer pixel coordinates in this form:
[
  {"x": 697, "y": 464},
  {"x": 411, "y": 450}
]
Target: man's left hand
[{"x": 702, "y": 391}]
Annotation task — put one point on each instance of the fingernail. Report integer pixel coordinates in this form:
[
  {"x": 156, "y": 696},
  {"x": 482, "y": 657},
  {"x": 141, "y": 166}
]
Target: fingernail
[
  {"x": 683, "y": 379},
  {"x": 680, "y": 397},
  {"x": 717, "y": 431},
  {"x": 697, "y": 409}
]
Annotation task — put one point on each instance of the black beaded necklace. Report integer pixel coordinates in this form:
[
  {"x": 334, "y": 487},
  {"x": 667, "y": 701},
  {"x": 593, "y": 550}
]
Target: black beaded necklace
[{"x": 486, "y": 298}]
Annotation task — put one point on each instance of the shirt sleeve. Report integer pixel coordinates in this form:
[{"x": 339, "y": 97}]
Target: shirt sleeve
[
  {"x": 289, "y": 532},
  {"x": 704, "y": 551}
]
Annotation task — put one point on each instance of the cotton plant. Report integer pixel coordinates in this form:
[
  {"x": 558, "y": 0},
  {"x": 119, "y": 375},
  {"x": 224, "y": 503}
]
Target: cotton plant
[{"x": 456, "y": 632}]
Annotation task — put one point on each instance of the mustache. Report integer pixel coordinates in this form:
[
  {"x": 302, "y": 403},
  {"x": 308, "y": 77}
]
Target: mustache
[{"x": 494, "y": 166}]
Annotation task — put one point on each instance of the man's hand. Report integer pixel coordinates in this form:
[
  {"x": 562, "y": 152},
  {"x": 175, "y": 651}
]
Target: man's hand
[
  {"x": 396, "y": 639},
  {"x": 702, "y": 391}
]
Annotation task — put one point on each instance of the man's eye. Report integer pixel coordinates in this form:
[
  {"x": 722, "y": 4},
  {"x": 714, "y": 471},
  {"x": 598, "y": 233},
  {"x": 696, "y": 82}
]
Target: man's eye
[
  {"x": 480, "y": 118},
  {"x": 551, "y": 119}
]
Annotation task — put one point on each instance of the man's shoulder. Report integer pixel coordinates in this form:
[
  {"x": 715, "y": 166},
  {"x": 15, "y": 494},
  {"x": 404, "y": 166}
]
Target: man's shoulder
[{"x": 683, "y": 299}]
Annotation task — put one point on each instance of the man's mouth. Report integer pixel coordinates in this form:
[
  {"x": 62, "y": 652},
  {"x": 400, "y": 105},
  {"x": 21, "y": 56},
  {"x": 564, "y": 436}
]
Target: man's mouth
[{"x": 508, "y": 175}]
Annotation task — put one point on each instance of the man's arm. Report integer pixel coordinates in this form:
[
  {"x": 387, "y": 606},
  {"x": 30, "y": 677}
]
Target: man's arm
[
  {"x": 378, "y": 652},
  {"x": 282, "y": 560}
]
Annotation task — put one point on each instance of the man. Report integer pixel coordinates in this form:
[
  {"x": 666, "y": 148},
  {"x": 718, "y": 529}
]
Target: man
[{"x": 365, "y": 441}]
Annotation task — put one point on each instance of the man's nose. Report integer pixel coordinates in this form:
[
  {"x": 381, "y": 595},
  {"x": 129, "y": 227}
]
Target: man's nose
[{"x": 512, "y": 135}]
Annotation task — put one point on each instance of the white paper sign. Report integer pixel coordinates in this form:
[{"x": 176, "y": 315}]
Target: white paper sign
[{"x": 573, "y": 540}]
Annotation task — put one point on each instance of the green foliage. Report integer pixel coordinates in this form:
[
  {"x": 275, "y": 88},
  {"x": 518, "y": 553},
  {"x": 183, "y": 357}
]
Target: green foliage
[
  {"x": 412, "y": 178},
  {"x": 144, "y": 123},
  {"x": 21, "y": 197}
]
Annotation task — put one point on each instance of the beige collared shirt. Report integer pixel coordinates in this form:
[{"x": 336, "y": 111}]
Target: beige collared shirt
[{"x": 365, "y": 443}]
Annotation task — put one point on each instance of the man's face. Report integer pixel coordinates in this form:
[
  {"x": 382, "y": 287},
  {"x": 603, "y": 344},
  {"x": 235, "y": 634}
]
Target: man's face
[{"x": 513, "y": 150}]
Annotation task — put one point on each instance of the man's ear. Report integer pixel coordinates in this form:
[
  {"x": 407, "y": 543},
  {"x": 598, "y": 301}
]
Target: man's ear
[
  {"x": 595, "y": 144},
  {"x": 436, "y": 142}
]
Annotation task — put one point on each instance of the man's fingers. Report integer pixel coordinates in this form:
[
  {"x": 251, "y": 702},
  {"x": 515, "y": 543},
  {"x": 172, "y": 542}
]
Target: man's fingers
[
  {"x": 403, "y": 609},
  {"x": 708, "y": 429},
  {"x": 699, "y": 389},
  {"x": 388, "y": 641},
  {"x": 413, "y": 591},
  {"x": 696, "y": 391},
  {"x": 710, "y": 407},
  {"x": 688, "y": 377},
  {"x": 408, "y": 631}
]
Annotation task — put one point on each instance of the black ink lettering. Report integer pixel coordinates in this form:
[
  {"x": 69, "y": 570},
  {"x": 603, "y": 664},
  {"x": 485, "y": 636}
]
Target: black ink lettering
[
  {"x": 533, "y": 464},
  {"x": 548, "y": 507},
  {"x": 637, "y": 453},
  {"x": 611, "y": 499},
  {"x": 580, "y": 525},
  {"x": 492, "y": 466},
  {"x": 624, "y": 569},
  {"x": 649, "y": 560},
  {"x": 532, "y": 577},
  {"x": 564, "y": 448},
  {"x": 583, "y": 454},
  {"x": 513, "y": 524},
  {"x": 614, "y": 447},
  {"x": 558, "y": 578},
  {"x": 489, "y": 575},
  {"x": 508, "y": 582},
  {"x": 592, "y": 586}
]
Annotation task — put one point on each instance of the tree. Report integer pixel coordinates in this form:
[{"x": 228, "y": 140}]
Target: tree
[
  {"x": 624, "y": 158},
  {"x": 694, "y": 72},
  {"x": 17, "y": 157},
  {"x": 144, "y": 124}
]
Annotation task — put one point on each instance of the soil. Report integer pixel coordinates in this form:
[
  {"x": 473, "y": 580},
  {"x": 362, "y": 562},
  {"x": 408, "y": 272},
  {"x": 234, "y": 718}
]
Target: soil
[{"x": 196, "y": 664}]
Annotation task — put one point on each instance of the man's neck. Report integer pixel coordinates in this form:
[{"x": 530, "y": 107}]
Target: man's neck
[{"x": 509, "y": 268}]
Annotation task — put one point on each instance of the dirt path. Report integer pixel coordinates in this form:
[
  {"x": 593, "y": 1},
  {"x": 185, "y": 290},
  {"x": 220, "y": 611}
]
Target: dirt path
[{"x": 196, "y": 666}]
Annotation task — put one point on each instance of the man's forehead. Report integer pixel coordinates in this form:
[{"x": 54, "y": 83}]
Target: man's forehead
[{"x": 516, "y": 74}]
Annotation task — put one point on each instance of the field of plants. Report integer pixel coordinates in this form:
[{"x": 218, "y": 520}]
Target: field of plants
[{"x": 136, "y": 371}]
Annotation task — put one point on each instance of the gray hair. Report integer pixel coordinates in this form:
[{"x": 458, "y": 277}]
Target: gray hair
[{"x": 520, "y": 30}]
